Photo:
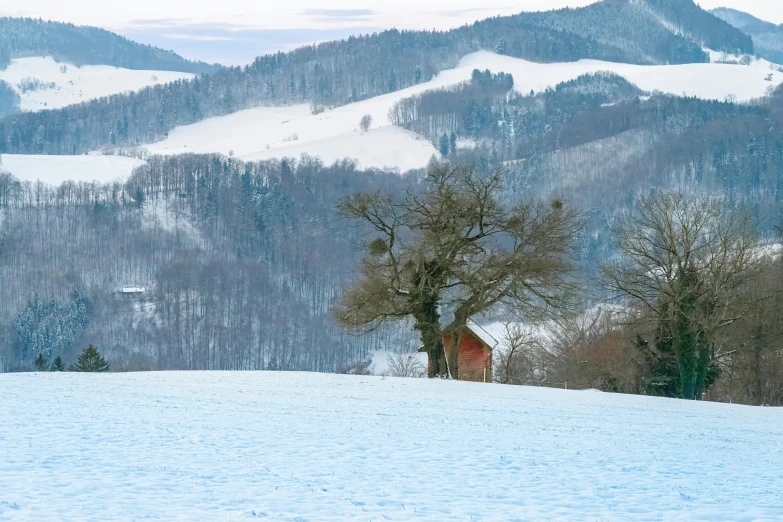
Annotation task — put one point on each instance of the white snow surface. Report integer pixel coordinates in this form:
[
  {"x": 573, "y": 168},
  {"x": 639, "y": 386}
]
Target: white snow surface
[
  {"x": 269, "y": 132},
  {"x": 77, "y": 84},
  {"x": 709, "y": 81},
  {"x": 54, "y": 170},
  {"x": 315, "y": 447}
]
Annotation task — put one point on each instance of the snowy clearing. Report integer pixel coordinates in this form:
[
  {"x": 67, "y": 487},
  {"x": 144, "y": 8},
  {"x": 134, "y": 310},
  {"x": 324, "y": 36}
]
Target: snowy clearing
[
  {"x": 298, "y": 446},
  {"x": 54, "y": 170},
  {"x": 56, "y": 89},
  {"x": 268, "y": 132},
  {"x": 709, "y": 81}
]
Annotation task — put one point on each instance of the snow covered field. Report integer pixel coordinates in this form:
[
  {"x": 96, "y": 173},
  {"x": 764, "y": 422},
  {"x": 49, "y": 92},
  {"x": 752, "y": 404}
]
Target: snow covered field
[
  {"x": 74, "y": 84},
  {"x": 267, "y": 132},
  {"x": 56, "y": 169},
  {"x": 298, "y": 446},
  {"x": 709, "y": 81}
]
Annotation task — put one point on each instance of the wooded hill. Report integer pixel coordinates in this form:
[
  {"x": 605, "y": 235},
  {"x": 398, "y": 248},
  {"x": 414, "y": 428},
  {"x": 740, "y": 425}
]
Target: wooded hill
[
  {"x": 336, "y": 73},
  {"x": 83, "y": 45},
  {"x": 767, "y": 37},
  {"x": 241, "y": 263}
]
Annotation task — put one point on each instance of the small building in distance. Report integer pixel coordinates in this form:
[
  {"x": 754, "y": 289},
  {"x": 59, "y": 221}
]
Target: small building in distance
[
  {"x": 131, "y": 292},
  {"x": 475, "y": 353}
]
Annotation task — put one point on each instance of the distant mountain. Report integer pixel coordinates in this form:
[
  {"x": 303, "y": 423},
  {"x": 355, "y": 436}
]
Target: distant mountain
[
  {"x": 643, "y": 31},
  {"x": 767, "y": 37},
  {"x": 81, "y": 45}
]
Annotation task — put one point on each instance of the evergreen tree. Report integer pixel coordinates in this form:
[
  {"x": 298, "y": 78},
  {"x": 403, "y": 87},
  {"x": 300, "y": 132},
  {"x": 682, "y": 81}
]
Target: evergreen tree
[
  {"x": 139, "y": 198},
  {"x": 57, "y": 365},
  {"x": 90, "y": 360},
  {"x": 444, "y": 145},
  {"x": 453, "y": 142},
  {"x": 41, "y": 363}
]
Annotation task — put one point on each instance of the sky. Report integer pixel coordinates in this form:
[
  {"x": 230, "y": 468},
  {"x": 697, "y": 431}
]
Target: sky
[{"x": 235, "y": 31}]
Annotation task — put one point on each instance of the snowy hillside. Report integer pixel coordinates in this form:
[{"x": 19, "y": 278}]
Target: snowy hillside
[
  {"x": 56, "y": 169},
  {"x": 710, "y": 81},
  {"x": 267, "y": 132},
  {"x": 43, "y": 83},
  {"x": 298, "y": 446}
]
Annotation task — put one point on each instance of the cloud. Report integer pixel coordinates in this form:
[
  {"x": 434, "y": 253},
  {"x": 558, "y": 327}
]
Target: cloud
[
  {"x": 340, "y": 14},
  {"x": 197, "y": 37}
]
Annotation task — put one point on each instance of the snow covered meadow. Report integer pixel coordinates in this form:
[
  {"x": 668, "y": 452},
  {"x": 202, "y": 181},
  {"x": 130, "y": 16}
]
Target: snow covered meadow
[
  {"x": 54, "y": 170},
  {"x": 275, "y": 132},
  {"x": 43, "y": 83},
  {"x": 299, "y": 446}
]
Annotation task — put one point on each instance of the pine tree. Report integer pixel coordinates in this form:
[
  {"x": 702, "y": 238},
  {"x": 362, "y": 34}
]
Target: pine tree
[
  {"x": 90, "y": 360},
  {"x": 444, "y": 145},
  {"x": 58, "y": 365},
  {"x": 41, "y": 363},
  {"x": 453, "y": 142}
]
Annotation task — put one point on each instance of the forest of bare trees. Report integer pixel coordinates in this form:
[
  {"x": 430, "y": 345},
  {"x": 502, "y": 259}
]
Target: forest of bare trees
[{"x": 240, "y": 264}]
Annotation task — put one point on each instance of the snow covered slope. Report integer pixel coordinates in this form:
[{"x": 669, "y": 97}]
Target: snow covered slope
[
  {"x": 56, "y": 169},
  {"x": 296, "y": 446},
  {"x": 61, "y": 84},
  {"x": 266, "y": 132},
  {"x": 710, "y": 81}
]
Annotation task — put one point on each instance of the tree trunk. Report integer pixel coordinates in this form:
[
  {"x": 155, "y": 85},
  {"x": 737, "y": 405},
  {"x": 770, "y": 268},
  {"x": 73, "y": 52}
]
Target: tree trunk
[
  {"x": 428, "y": 324},
  {"x": 685, "y": 348},
  {"x": 437, "y": 366},
  {"x": 453, "y": 355}
]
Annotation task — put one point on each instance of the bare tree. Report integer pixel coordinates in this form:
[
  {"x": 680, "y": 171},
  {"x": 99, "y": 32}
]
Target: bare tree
[
  {"x": 588, "y": 351},
  {"x": 684, "y": 261},
  {"x": 366, "y": 122},
  {"x": 453, "y": 244},
  {"x": 406, "y": 365},
  {"x": 516, "y": 359}
]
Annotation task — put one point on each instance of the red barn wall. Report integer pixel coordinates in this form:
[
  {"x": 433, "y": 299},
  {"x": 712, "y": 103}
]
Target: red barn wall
[{"x": 474, "y": 358}]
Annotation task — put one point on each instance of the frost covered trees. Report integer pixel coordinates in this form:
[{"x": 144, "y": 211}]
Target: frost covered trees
[
  {"x": 47, "y": 328},
  {"x": 452, "y": 245}
]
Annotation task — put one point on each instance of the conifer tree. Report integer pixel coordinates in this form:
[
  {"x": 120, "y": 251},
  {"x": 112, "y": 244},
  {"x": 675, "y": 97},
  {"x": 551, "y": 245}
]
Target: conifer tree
[
  {"x": 444, "y": 145},
  {"x": 58, "y": 365},
  {"x": 41, "y": 363},
  {"x": 90, "y": 360}
]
